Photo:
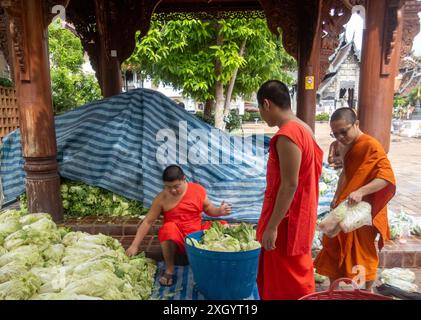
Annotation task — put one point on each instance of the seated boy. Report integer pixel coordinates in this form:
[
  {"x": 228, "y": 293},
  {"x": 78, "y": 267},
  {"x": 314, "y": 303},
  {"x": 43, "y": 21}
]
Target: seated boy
[
  {"x": 336, "y": 155},
  {"x": 182, "y": 204}
]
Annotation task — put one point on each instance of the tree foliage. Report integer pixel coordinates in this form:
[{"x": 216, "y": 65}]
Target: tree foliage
[
  {"x": 402, "y": 103},
  {"x": 71, "y": 87},
  {"x": 212, "y": 60}
]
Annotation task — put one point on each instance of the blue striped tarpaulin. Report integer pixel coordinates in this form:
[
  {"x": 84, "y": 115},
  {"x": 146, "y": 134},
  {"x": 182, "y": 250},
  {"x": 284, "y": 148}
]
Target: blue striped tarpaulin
[
  {"x": 123, "y": 143},
  {"x": 184, "y": 286}
]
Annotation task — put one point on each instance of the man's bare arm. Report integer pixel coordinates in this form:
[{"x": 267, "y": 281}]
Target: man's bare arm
[
  {"x": 213, "y": 211},
  {"x": 372, "y": 187},
  {"x": 146, "y": 224}
]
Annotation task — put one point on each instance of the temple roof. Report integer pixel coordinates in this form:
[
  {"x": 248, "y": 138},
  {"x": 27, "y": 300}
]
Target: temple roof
[{"x": 339, "y": 57}]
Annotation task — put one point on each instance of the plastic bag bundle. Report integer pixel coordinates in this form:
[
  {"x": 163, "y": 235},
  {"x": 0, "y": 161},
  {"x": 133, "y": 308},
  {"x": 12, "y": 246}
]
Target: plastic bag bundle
[
  {"x": 403, "y": 279},
  {"x": 346, "y": 218},
  {"x": 416, "y": 226},
  {"x": 356, "y": 216},
  {"x": 400, "y": 224},
  {"x": 330, "y": 224}
]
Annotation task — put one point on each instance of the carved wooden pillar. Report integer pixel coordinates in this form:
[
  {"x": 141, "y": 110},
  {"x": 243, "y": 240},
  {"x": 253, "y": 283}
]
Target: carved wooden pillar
[
  {"x": 308, "y": 74},
  {"x": 28, "y": 33},
  {"x": 109, "y": 65},
  {"x": 109, "y": 73},
  {"x": 308, "y": 65},
  {"x": 379, "y": 66}
]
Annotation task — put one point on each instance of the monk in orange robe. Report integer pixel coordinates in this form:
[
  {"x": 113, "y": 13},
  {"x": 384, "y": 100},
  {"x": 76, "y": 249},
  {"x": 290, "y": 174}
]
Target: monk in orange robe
[
  {"x": 182, "y": 204},
  {"x": 368, "y": 176},
  {"x": 288, "y": 220}
]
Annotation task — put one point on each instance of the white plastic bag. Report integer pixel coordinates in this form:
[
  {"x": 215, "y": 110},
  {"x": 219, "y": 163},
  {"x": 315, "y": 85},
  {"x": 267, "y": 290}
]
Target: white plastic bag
[
  {"x": 403, "y": 279},
  {"x": 356, "y": 216},
  {"x": 398, "y": 273},
  {"x": 330, "y": 224}
]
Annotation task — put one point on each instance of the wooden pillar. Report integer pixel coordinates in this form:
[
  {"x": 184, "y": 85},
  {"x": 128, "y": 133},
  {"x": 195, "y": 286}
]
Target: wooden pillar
[
  {"x": 109, "y": 65},
  {"x": 308, "y": 72},
  {"x": 28, "y": 33},
  {"x": 110, "y": 73},
  {"x": 379, "y": 66}
]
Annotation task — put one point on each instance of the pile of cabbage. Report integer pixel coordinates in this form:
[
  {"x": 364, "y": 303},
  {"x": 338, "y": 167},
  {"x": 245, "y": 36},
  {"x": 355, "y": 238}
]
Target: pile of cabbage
[
  {"x": 81, "y": 200},
  {"x": 317, "y": 241},
  {"x": 403, "y": 225},
  {"x": 40, "y": 260},
  {"x": 227, "y": 238},
  {"x": 403, "y": 279},
  {"x": 328, "y": 181}
]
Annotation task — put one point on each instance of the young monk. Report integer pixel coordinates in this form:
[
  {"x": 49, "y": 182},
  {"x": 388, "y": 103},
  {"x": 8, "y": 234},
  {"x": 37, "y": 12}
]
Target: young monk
[
  {"x": 182, "y": 204},
  {"x": 287, "y": 224},
  {"x": 336, "y": 153},
  {"x": 368, "y": 176}
]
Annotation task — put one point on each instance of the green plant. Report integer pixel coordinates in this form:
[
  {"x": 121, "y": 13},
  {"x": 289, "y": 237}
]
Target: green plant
[
  {"x": 4, "y": 82},
  {"x": 208, "y": 120},
  {"x": 324, "y": 116},
  {"x": 250, "y": 116},
  {"x": 234, "y": 121},
  {"x": 71, "y": 87}
]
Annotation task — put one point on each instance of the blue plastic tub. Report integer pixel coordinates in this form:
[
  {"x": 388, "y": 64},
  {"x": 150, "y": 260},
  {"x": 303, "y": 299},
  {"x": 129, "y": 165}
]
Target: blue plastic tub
[{"x": 223, "y": 275}]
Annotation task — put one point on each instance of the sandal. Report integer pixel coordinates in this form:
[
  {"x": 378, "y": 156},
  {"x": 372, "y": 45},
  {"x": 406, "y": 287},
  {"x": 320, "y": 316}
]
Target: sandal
[{"x": 169, "y": 279}]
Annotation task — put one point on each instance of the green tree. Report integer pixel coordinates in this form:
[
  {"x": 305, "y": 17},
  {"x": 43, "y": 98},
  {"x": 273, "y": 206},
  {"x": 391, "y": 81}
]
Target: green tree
[
  {"x": 212, "y": 61},
  {"x": 401, "y": 103},
  {"x": 71, "y": 87}
]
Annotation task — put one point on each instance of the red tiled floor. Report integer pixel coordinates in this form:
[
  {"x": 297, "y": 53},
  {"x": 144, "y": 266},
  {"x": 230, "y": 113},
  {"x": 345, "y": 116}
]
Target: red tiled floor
[{"x": 394, "y": 259}]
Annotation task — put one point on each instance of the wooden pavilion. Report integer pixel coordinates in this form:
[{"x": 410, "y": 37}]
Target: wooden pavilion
[{"x": 310, "y": 33}]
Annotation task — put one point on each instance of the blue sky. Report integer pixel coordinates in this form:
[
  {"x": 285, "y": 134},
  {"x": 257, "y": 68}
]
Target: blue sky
[{"x": 355, "y": 24}]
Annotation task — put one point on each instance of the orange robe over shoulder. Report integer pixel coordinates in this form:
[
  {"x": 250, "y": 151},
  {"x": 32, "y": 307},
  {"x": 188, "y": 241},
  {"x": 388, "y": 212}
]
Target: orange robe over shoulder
[
  {"x": 364, "y": 162},
  {"x": 286, "y": 273},
  {"x": 185, "y": 217}
]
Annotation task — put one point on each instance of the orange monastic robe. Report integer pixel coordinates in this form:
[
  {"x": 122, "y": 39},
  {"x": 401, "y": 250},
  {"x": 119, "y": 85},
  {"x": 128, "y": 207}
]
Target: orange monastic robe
[
  {"x": 364, "y": 162},
  {"x": 185, "y": 217},
  {"x": 286, "y": 273}
]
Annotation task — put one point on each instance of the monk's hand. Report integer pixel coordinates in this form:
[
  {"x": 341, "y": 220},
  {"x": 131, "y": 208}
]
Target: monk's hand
[
  {"x": 355, "y": 197},
  {"x": 225, "y": 208},
  {"x": 332, "y": 204},
  {"x": 132, "y": 251},
  {"x": 269, "y": 238}
]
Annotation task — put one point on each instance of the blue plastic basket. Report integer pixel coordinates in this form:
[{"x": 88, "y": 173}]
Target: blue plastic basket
[{"x": 223, "y": 275}]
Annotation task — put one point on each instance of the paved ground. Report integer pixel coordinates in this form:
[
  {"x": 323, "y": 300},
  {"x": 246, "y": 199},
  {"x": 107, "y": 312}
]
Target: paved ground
[{"x": 404, "y": 154}]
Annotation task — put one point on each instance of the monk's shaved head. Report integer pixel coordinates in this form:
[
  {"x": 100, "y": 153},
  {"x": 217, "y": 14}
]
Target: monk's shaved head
[
  {"x": 346, "y": 114},
  {"x": 173, "y": 173}
]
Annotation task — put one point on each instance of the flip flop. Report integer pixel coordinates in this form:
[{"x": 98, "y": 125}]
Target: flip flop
[{"x": 169, "y": 279}]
